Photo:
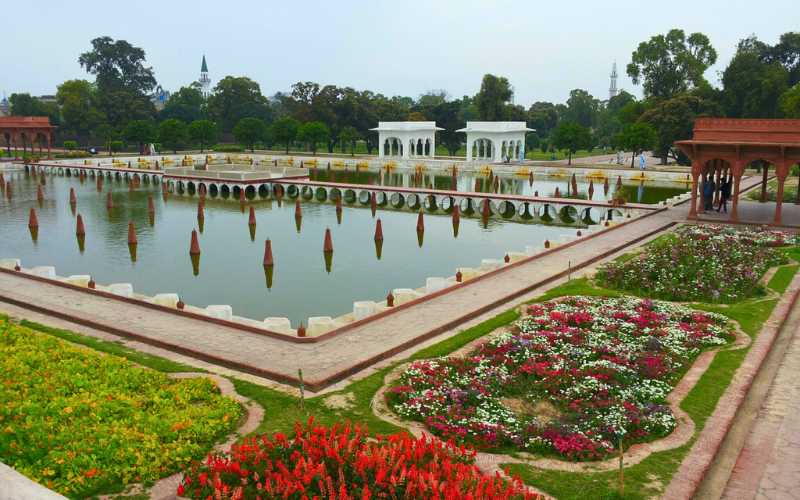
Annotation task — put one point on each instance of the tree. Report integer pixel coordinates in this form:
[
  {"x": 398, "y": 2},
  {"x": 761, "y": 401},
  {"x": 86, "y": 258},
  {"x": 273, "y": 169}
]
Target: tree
[
  {"x": 141, "y": 132},
  {"x": 107, "y": 134},
  {"x": 787, "y": 53},
  {"x": 637, "y": 138},
  {"x": 284, "y": 131},
  {"x": 673, "y": 120},
  {"x": 203, "y": 132},
  {"x": 25, "y": 105},
  {"x": 248, "y": 131},
  {"x": 582, "y": 108},
  {"x": 349, "y": 136},
  {"x": 172, "y": 134},
  {"x": 753, "y": 86},
  {"x": 571, "y": 137},
  {"x": 187, "y": 105},
  {"x": 543, "y": 117},
  {"x": 669, "y": 64},
  {"x": 78, "y": 102},
  {"x": 235, "y": 98},
  {"x": 123, "y": 81},
  {"x": 313, "y": 133},
  {"x": 790, "y": 102},
  {"x": 493, "y": 96},
  {"x": 70, "y": 145},
  {"x": 448, "y": 115}
]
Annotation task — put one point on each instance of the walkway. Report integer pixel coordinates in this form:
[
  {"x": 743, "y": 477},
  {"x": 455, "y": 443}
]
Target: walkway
[
  {"x": 336, "y": 358},
  {"x": 768, "y": 466}
]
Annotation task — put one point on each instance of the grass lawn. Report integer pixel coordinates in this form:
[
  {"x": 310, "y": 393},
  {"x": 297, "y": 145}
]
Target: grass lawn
[{"x": 81, "y": 422}]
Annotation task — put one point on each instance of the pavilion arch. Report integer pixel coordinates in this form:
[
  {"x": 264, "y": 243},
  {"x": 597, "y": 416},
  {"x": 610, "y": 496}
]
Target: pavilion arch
[
  {"x": 307, "y": 193},
  {"x": 250, "y": 192},
  {"x": 225, "y": 192},
  {"x": 213, "y": 191},
  {"x": 263, "y": 191},
  {"x": 292, "y": 191}
]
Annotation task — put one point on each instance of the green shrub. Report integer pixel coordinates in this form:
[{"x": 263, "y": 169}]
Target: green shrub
[{"x": 228, "y": 148}]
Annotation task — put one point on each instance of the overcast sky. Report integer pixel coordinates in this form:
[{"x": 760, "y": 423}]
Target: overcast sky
[{"x": 405, "y": 47}]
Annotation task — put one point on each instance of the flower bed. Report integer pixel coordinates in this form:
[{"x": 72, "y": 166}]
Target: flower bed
[
  {"x": 342, "y": 463},
  {"x": 703, "y": 262},
  {"x": 573, "y": 377},
  {"x": 82, "y": 423}
]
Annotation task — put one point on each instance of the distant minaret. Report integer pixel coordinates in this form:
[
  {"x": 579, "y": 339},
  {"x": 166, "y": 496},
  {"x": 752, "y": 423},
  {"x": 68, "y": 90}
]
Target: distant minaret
[
  {"x": 612, "y": 90},
  {"x": 205, "y": 81}
]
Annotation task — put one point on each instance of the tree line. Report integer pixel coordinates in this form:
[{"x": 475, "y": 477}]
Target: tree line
[{"x": 761, "y": 80}]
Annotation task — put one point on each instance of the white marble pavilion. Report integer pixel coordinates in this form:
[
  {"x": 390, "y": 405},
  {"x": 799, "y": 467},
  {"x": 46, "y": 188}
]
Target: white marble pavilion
[
  {"x": 493, "y": 141},
  {"x": 407, "y": 139}
]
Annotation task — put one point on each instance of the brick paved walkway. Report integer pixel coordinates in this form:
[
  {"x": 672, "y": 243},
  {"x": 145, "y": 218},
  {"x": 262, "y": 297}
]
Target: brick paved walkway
[
  {"x": 768, "y": 466},
  {"x": 338, "y": 357}
]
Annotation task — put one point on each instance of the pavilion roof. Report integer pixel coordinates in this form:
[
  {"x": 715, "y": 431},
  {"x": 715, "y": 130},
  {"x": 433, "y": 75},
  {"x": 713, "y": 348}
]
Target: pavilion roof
[
  {"x": 37, "y": 122},
  {"x": 745, "y": 131},
  {"x": 496, "y": 127},
  {"x": 406, "y": 126}
]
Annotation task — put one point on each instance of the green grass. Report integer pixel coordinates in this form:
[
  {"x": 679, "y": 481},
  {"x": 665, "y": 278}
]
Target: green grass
[{"x": 783, "y": 276}]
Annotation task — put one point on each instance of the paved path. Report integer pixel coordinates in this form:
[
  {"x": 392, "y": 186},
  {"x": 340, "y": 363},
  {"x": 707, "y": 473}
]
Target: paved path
[
  {"x": 328, "y": 359},
  {"x": 768, "y": 466}
]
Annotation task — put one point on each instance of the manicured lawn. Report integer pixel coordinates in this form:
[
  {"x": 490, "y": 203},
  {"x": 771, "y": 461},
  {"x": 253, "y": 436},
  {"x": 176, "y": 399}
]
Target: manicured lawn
[{"x": 82, "y": 422}]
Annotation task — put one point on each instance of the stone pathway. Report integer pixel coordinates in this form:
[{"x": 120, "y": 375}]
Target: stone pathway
[
  {"x": 768, "y": 466},
  {"x": 337, "y": 357}
]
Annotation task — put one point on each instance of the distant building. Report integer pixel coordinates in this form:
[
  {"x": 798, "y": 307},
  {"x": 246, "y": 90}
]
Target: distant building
[
  {"x": 47, "y": 99},
  {"x": 612, "y": 90},
  {"x": 5, "y": 107},
  {"x": 160, "y": 98},
  {"x": 204, "y": 81}
]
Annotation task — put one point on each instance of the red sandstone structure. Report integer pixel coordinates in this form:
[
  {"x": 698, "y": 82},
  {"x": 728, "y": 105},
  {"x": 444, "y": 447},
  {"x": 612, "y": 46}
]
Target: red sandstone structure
[
  {"x": 726, "y": 146},
  {"x": 25, "y": 131}
]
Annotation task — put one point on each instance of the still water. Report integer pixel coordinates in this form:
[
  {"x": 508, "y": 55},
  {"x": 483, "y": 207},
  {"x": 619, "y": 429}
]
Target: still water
[
  {"x": 649, "y": 192},
  {"x": 230, "y": 268}
]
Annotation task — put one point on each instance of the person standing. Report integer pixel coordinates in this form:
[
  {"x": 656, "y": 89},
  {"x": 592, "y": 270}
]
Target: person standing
[
  {"x": 725, "y": 194},
  {"x": 708, "y": 192}
]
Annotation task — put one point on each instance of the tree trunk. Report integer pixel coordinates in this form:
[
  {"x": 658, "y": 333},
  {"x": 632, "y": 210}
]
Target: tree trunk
[
  {"x": 569, "y": 161},
  {"x": 633, "y": 155},
  {"x": 287, "y": 147}
]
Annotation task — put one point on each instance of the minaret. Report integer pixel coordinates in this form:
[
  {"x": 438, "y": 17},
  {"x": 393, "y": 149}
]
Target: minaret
[
  {"x": 612, "y": 90},
  {"x": 205, "y": 81}
]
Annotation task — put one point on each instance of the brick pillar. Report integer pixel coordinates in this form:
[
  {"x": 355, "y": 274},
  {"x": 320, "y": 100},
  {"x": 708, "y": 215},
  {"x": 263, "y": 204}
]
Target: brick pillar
[
  {"x": 693, "y": 205},
  {"x": 782, "y": 172},
  {"x": 737, "y": 178}
]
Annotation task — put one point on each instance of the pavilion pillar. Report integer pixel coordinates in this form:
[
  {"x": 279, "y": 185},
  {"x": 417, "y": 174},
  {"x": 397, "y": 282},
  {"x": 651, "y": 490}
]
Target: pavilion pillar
[
  {"x": 718, "y": 173},
  {"x": 782, "y": 172},
  {"x": 695, "y": 178},
  {"x": 764, "y": 172},
  {"x": 738, "y": 170}
]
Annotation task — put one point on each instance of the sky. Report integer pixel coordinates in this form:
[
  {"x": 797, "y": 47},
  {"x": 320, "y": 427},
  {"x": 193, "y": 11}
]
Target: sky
[{"x": 405, "y": 47}]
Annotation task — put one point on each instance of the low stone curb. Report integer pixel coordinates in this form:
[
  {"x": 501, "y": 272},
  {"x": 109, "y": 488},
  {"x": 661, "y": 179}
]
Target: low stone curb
[{"x": 689, "y": 476}]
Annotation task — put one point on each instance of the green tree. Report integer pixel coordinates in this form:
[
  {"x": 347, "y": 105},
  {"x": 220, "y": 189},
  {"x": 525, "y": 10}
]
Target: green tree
[
  {"x": 670, "y": 64},
  {"x": 141, "y": 132},
  {"x": 235, "y": 98},
  {"x": 203, "y": 132},
  {"x": 636, "y": 138},
  {"x": 70, "y": 145},
  {"x": 571, "y": 137},
  {"x": 673, "y": 120},
  {"x": 753, "y": 86},
  {"x": 787, "y": 53},
  {"x": 312, "y": 133},
  {"x": 172, "y": 134},
  {"x": 25, "y": 105},
  {"x": 349, "y": 136},
  {"x": 187, "y": 105},
  {"x": 106, "y": 134},
  {"x": 248, "y": 131},
  {"x": 284, "y": 131},
  {"x": 123, "y": 81},
  {"x": 543, "y": 117},
  {"x": 582, "y": 108},
  {"x": 494, "y": 95},
  {"x": 790, "y": 102},
  {"x": 77, "y": 99}
]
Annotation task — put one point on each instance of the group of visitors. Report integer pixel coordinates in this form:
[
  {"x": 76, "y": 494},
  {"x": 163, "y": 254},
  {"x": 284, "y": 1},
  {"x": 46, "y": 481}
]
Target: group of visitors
[{"x": 710, "y": 188}]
